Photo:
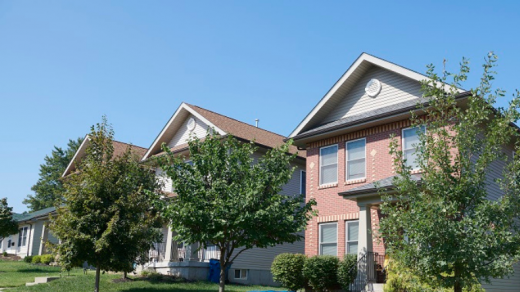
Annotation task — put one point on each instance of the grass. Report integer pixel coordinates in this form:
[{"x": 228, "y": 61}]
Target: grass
[{"x": 18, "y": 273}]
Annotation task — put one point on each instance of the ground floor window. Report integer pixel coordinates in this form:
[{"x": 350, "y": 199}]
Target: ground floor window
[
  {"x": 329, "y": 239},
  {"x": 22, "y": 236},
  {"x": 351, "y": 236},
  {"x": 241, "y": 274}
]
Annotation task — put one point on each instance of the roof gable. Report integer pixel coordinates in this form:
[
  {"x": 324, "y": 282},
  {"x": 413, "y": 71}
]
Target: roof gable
[
  {"x": 119, "y": 148},
  {"x": 173, "y": 133},
  {"x": 347, "y": 97}
]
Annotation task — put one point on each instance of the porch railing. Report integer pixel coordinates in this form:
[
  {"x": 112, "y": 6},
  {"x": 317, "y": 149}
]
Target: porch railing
[
  {"x": 158, "y": 252},
  {"x": 203, "y": 255},
  {"x": 370, "y": 270}
]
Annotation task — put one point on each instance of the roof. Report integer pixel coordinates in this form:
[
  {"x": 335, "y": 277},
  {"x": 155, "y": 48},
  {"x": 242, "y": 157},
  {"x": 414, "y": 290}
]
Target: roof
[
  {"x": 33, "y": 215},
  {"x": 345, "y": 83},
  {"x": 377, "y": 113},
  {"x": 386, "y": 183},
  {"x": 222, "y": 124},
  {"x": 119, "y": 149}
]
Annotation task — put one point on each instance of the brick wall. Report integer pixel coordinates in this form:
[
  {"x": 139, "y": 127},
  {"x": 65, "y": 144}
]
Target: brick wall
[{"x": 331, "y": 206}]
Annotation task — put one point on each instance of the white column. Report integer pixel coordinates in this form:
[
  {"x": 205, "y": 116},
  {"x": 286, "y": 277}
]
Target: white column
[
  {"x": 168, "y": 253},
  {"x": 365, "y": 237}
]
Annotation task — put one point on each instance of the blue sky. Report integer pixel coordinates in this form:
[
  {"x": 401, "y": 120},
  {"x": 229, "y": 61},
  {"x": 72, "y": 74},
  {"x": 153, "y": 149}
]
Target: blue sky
[{"x": 64, "y": 64}]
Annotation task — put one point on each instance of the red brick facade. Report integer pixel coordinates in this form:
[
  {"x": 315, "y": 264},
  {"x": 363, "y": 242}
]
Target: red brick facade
[{"x": 331, "y": 206}]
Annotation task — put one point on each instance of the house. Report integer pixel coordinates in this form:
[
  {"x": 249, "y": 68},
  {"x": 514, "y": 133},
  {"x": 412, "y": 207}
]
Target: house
[
  {"x": 346, "y": 136},
  {"x": 252, "y": 266},
  {"x": 32, "y": 236}
]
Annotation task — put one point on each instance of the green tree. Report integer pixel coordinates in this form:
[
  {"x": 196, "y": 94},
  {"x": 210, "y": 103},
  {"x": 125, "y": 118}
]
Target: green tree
[
  {"x": 225, "y": 198},
  {"x": 49, "y": 186},
  {"x": 108, "y": 218},
  {"x": 445, "y": 228},
  {"x": 8, "y": 225}
]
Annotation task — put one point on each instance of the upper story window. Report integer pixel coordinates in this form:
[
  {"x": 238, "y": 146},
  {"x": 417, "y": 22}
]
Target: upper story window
[
  {"x": 410, "y": 144},
  {"x": 356, "y": 159},
  {"x": 303, "y": 181},
  {"x": 329, "y": 239},
  {"x": 351, "y": 236},
  {"x": 329, "y": 165}
]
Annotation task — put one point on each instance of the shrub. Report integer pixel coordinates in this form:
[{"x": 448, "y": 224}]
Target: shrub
[
  {"x": 5, "y": 254},
  {"x": 322, "y": 272},
  {"x": 155, "y": 277},
  {"x": 28, "y": 259},
  {"x": 36, "y": 259},
  {"x": 145, "y": 273},
  {"x": 347, "y": 271},
  {"x": 47, "y": 259},
  {"x": 287, "y": 268}
]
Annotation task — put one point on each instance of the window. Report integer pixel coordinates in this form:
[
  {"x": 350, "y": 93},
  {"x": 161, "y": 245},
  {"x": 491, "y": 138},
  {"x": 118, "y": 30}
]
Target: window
[
  {"x": 351, "y": 236},
  {"x": 22, "y": 236},
  {"x": 328, "y": 239},
  {"x": 356, "y": 159},
  {"x": 410, "y": 144},
  {"x": 329, "y": 164},
  {"x": 303, "y": 183},
  {"x": 241, "y": 274}
]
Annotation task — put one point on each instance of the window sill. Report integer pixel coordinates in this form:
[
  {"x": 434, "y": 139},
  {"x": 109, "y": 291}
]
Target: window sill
[
  {"x": 327, "y": 186},
  {"x": 416, "y": 171},
  {"x": 355, "y": 181}
]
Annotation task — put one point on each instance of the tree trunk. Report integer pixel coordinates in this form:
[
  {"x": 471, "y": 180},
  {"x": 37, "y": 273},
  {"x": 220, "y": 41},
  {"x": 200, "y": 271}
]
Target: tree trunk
[
  {"x": 457, "y": 287},
  {"x": 222, "y": 283},
  {"x": 98, "y": 270},
  {"x": 124, "y": 275}
]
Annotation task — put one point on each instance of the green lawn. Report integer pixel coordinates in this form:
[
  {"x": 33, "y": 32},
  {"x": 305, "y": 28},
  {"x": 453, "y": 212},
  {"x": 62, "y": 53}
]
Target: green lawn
[
  {"x": 18, "y": 273},
  {"x": 13, "y": 273}
]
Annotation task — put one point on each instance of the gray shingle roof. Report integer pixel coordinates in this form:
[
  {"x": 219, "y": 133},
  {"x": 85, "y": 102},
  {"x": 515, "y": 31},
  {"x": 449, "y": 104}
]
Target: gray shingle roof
[
  {"x": 384, "y": 183},
  {"x": 32, "y": 215}
]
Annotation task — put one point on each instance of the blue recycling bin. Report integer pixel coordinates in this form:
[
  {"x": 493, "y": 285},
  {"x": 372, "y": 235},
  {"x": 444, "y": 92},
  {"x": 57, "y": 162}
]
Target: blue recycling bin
[{"x": 214, "y": 271}]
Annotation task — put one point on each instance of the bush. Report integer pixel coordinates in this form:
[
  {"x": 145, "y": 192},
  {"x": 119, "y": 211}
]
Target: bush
[
  {"x": 347, "y": 271},
  {"x": 287, "y": 268},
  {"x": 322, "y": 272},
  {"x": 36, "y": 259},
  {"x": 28, "y": 259},
  {"x": 5, "y": 254},
  {"x": 47, "y": 259}
]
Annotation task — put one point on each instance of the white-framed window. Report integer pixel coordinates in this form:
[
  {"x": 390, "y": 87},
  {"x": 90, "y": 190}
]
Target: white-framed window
[
  {"x": 22, "y": 236},
  {"x": 329, "y": 239},
  {"x": 241, "y": 274},
  {"x": 303, "y": 182},
  {"x": 329, "y": 164},
  {"x": 410, "y": 144},
  {"x": 356, "y": 159},
  {"x": 351, "y": 236}
]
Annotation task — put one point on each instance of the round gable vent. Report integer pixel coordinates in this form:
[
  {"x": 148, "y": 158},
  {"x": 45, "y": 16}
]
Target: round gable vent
[
  {"x": 373, "y": 87},
  {"x": 191, "y": 124}
]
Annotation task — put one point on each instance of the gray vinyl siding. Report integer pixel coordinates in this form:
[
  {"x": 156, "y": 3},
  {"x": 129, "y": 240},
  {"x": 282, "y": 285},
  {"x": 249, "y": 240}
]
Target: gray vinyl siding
[
  {"x": 262, "y": 258},
  {"x": 36, "y": 237},
  {"x": 395, "y": 88},
  {"x": 495, "y": 171},
  {"x": 182, "y": 135}
]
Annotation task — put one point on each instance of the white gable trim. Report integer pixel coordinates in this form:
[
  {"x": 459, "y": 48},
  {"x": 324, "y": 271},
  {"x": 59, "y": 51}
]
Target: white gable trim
[
  {"x": 81, "y": 149},
  {"x": 185, "y": 107},
  {"x": 361, "y": 59}
]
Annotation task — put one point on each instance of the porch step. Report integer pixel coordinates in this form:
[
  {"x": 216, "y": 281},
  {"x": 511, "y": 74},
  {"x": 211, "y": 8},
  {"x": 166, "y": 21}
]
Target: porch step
[{"x": 375, "y": 287}]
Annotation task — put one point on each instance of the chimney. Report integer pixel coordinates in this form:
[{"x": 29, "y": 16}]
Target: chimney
[{"x": 256, "y": 121}]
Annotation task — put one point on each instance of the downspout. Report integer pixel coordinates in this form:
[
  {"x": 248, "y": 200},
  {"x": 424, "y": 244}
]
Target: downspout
[{"x": 29, "y": 240}]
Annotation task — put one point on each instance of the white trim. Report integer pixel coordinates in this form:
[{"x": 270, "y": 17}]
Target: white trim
[
  {"x": 301, "y": 181},
  {"x": 347, "y": 222},
  {"x": 337, "y": 164},
  {"x": 364, "y": 57},
  {"x": 346, "y": 159},
  {"x": 80, "y": 148},
  {"x": 187, "y": 108},
  {"x": 319, "y": 236},
  {"x": 402, "y": 141}
]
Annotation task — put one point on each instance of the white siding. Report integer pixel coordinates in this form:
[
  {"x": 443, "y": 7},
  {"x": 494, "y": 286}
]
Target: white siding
[
  {"x": 395, "y": 89},
  {"x": 183, "y": 134},
  {"x": 164, "y": 180}
]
